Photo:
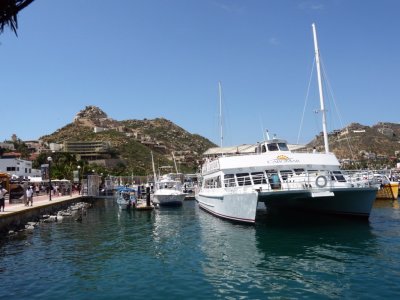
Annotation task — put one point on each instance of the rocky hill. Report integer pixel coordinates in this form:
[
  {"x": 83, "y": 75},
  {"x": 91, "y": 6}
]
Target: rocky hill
[
  {"x": 133, "y": 140},
  {"x": 380, "y": 142}
]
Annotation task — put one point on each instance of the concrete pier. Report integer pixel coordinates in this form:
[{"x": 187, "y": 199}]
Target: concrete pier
[{"x": 16, "y": 215}]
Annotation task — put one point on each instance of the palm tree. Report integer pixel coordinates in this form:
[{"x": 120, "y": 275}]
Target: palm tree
[{"x": 8, "y": 13}]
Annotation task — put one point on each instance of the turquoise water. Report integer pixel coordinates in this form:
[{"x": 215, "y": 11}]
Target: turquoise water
[{"x": 185, "y": 253}]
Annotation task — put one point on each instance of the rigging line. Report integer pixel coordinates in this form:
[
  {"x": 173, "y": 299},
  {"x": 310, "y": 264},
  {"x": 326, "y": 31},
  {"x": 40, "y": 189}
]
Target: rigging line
[
  {"x": 262, "y": 128},
  {"x": 337, "y": 109},
  {"x": 305, "y": 102}
]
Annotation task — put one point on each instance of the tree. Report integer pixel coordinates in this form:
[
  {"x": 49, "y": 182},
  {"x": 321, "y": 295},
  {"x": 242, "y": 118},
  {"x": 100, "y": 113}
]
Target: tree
[{"x": 9, "y": 10}]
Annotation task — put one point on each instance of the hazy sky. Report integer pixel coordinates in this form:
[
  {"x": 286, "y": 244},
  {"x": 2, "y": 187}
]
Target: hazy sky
[{"x": 163, "y": 58}]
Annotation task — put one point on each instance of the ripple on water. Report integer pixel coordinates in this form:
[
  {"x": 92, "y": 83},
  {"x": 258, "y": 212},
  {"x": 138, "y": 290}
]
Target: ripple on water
[{"x": 187, "y": 253}]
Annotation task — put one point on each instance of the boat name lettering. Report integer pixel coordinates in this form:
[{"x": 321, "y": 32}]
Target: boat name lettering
[{"x": 283, "y": 159}]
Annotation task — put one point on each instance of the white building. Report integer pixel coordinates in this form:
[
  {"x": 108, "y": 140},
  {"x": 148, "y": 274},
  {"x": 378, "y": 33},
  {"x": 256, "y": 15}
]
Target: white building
[{"x": 18, "y": 167}]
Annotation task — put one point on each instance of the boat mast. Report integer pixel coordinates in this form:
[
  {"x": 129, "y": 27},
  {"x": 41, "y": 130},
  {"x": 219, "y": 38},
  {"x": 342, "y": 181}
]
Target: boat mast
[
  {"x": 154, "y": 171},
  {"x": 321, "y": 94},
  {"x": 220, "y": 112}
]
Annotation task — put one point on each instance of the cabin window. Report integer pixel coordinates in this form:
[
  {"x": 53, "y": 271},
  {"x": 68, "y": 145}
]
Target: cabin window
[
  {"x": 272, "y": 147},
  {"x": 283, "y": 147},
  {"x": 313, "y": 172},
  {"x": 243, "y": 179},
  {"x": 229, "y": 180},
  {"x": 298, "y": 171},
  {"x": 263, "y": 149},
  {"x": 258, "y": 177},
  {"x": 339, "y": 176},
  {"x": 286, "y": 173}
]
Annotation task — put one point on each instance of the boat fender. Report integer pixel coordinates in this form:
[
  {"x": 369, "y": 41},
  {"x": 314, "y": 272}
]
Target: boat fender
[{"x": 321, "y": 181}]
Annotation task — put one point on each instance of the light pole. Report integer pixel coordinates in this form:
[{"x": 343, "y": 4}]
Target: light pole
[
  {"x": 79, "y": 179},
  {"x": 49, "y": 159}
]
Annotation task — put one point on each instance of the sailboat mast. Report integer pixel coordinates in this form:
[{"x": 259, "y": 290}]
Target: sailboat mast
[
  {"x": 321, "y": 94},
  {"x": 154, "y": 171},
  {"x": 220, "y": 112}
]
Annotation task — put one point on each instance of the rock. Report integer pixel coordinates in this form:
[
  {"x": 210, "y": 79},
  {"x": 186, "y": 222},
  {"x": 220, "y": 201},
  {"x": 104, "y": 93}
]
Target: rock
[{"x": 29, "y": 228}]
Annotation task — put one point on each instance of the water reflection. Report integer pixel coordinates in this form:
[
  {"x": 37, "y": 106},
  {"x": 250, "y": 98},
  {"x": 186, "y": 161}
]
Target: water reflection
[{"x": 283, "y": 256}]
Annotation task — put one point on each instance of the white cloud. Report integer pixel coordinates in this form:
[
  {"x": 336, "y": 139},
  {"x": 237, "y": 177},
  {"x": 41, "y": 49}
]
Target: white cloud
[
  {"x": 230, "y": 8},
  {"x": 311, "y": 5},
  {"x": 273, "y": 41}
]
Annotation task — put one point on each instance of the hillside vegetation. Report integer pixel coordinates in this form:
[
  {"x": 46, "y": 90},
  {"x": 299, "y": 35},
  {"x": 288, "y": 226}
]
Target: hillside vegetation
[{"x": 132, "y": 141}]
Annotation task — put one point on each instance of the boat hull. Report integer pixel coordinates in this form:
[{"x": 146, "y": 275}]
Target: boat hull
[
  {"x": 388, "y": 191},
  {"x": 237, "y": 207},
  {"x": 243, "y": 207},
  {"x": 169, "y": 199},
  {"x": 341, "y": 201}
]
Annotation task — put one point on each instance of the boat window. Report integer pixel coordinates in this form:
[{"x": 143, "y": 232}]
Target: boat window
[
  {"x": 263, "y": 149},
  {"x": 243, "y": 179},
  {"x": 298, "y": 171},
  {"x": 313, "y": 172},
  {"x": 339, "y": 176},
  {"x": 286, "y": 173},
  {"x": 229, "y": 180},
  {"x": 283, "y": 147},
  {"x": 258, "y": 177},
  {"x": 272, "y": 147}
]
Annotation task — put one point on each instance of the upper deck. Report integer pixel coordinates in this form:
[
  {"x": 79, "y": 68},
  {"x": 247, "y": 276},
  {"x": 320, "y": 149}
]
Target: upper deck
[{"x": 271, "y": 153}]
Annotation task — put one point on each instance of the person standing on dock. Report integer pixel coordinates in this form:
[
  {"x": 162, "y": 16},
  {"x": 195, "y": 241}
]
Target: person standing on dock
[
  {"x": 3, "y": 192},
  {"x": 37, "y": 190},
  {"x": 29, "y": 196}
]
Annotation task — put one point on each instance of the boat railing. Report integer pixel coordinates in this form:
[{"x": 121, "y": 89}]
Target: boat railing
[{"x": 318, "y": 180}]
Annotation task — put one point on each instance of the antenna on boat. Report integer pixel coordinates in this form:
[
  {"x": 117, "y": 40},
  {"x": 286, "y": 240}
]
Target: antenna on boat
[
  {"x": 267, "y": 134},
  {"x": 220, "y": 112},
  {"x": 321, "y": 94}
]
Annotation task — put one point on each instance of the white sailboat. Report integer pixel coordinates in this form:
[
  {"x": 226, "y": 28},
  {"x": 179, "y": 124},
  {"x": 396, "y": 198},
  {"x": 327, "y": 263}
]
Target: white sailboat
[{"x": 236, "y": 181}]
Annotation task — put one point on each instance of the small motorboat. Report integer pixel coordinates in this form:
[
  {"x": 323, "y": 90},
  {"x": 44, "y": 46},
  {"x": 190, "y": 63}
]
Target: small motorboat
[{"x": 126, "y": 198}]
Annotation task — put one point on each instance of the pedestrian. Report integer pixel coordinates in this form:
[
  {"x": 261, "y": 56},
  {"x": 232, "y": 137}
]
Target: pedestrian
[
  {"x": 37, "y": 190},
  {"x": 29, "y": 196},
  {"x": 3, "y": 192}
]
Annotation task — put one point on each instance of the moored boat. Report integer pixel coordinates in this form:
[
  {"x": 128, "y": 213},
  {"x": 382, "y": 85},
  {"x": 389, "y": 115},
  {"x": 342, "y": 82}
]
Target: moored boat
[
  {"x": 126, "y": 198},
  {"x": 168, "y": 191},
  {"x": 234, "y": 183},
  {"x": 387, "y": 189}
]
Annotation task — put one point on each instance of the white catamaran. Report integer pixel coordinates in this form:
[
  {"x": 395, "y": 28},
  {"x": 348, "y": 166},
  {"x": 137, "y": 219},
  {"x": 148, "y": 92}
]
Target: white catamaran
[{"x": 234, "y": 181}]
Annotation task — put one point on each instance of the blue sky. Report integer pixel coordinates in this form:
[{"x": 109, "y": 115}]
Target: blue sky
[{"x": 163, "y": 58}]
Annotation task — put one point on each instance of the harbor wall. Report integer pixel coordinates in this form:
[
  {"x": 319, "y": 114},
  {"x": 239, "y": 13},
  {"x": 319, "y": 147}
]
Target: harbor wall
[{"x": 16, "y": 220}]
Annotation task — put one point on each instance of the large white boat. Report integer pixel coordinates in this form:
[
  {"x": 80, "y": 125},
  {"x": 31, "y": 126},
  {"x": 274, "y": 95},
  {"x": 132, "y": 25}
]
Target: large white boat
[{"x": 235, "y": 181}]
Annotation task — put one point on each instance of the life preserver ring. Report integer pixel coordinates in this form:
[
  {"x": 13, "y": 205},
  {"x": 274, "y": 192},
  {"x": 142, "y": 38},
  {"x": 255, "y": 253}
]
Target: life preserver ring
[{"x": 319, "y": 183}]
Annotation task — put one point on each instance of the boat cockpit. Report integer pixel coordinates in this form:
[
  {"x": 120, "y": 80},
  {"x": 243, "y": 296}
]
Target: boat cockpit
[{"x": 271, "y": 146}]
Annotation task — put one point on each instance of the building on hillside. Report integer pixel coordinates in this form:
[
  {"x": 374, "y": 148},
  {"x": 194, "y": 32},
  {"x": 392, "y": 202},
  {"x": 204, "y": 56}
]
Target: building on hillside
[
  {"x": 54, "y": 147},
  {"x": 386, "y": 131},
  {"x": 88, "y": 150},
  {"x": 99, "y": 129},
  {"x": 8, "y": 146}
]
